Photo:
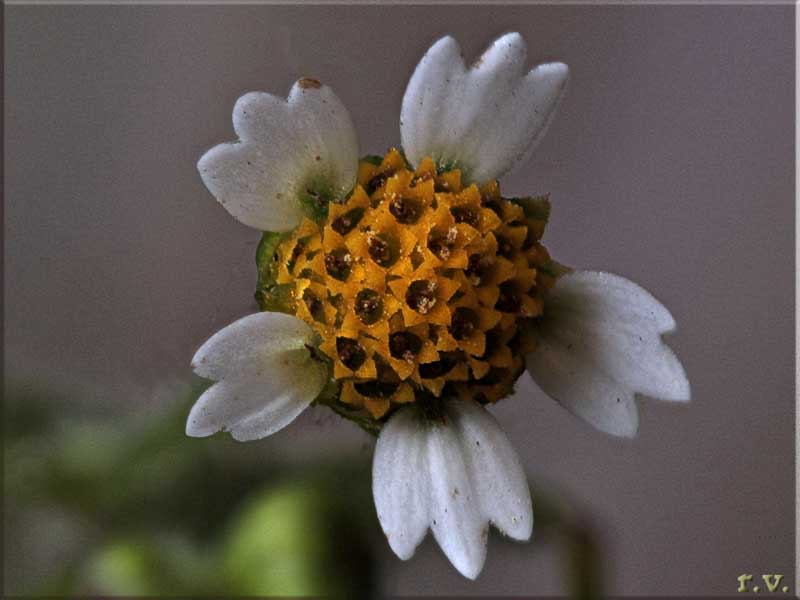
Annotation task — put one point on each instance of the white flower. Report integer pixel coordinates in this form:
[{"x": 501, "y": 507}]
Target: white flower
[{"x": 446, "y": 466}]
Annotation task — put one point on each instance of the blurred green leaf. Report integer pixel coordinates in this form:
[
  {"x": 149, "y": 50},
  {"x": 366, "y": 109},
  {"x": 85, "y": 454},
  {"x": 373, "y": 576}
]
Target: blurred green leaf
[
  {"x": 265, "y": 257},
  {"x": 299, "y": 539},
  {"x": 555, "y": 269},
  {"x": 275, "y": 546},
  {"x": 535, "y": 207},
  {"x": 373, "y": 159},
  {"x": 148, "y": 566},
  {"x": 129, "y": 567},
  {"x": 164, "y": 513},
  {"x": 269, "y": 294},
  {"x": 557, "y": 521}
]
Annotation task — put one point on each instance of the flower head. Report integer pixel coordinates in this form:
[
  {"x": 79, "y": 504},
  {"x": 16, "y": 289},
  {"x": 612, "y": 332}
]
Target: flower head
[
  {"x": 407, "y": 294},
  {"x": 406, "y": 285}
]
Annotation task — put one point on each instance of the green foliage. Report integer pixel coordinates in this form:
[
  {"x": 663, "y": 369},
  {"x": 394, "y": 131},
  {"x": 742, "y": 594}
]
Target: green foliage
[
  {"x": 373, "y": 159},
  {"x": 316, "y": 195},
  {"x": 167, "y": 514},
  {"x": 445, "y": 165},
  {"x": 288, "y": 541},
  {"x": 577, "y": 541},
  {"x": 147, "y": 566},
  {"x": 535, "y": 207},
  {"x": 266, "y": 257},
  {"x": 555, "y": 269},
  {"x": 269, "y": 294}
]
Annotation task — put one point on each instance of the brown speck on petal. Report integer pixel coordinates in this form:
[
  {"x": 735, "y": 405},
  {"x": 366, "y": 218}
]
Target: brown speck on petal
[{"x": 309, "y": 83}]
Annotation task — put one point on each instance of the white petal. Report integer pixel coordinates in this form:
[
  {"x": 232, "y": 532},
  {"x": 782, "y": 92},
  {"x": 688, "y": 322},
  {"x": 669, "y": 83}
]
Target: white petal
[
  {"x": 250, "y": 345},
  {"x": 247, "y": 408},
  {"x": 496, "y": 470},
  {"x": 455, "y": 510},
  {"x": 599, "y": 344},
  {"x": 455, "y": 475},
  {"x": 485, "y": 119},
  {"x": 286, "y": 148},
  {"x": 266, "y": 377},
  {"x": 399, "y": 482}
]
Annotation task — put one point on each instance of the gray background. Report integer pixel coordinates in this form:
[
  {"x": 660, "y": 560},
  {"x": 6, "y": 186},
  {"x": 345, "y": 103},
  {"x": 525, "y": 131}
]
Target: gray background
[{"x": 670, "y": 163}]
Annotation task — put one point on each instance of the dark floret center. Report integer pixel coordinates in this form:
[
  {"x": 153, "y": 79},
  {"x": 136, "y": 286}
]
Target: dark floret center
[
  {"x": 368, "y": 306},
  {"x": 338, "y": 264},
  {"x": 344, "y": 224},
  {"x": 350, "y": 353},
  {"x": 404, "y": 345},
  {"x": 421, "y": 296}
]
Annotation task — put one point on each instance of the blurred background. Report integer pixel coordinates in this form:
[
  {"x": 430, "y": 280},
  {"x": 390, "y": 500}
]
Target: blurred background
[{"x": 670, "y": 162}]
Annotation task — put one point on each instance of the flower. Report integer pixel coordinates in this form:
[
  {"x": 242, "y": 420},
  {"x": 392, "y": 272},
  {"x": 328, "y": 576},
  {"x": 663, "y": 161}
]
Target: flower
[{"x": 407, "y": 294}]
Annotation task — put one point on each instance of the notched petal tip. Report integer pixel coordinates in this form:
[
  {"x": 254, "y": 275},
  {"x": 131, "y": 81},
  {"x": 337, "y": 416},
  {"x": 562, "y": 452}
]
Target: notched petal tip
[
  {"x": 555, "y": 76},
  {"x": 197, "y": 424},
  {"x": 507, "y": 51},
  {"x": 446, "y": 43},
  {"x": 624, "y": 429},
  {"x": 470, "y": 571},
  {"x": 556, "y": 70},
  {"x": 511, "y": 38},
  {"x": 193, "y": 431},
  {"x": 686, "y": 392},
  {"x": 679, "y": 389},
  {"x": 402, "y": 549},
  {"x": 309, "y": 83}
]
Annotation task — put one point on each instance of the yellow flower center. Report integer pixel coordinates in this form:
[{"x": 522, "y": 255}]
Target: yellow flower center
[{"x": 418, "y": 286}]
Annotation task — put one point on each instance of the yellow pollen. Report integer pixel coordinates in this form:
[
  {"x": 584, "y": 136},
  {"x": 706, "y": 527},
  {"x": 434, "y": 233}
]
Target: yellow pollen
[{"x": 418, "y": 286}]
